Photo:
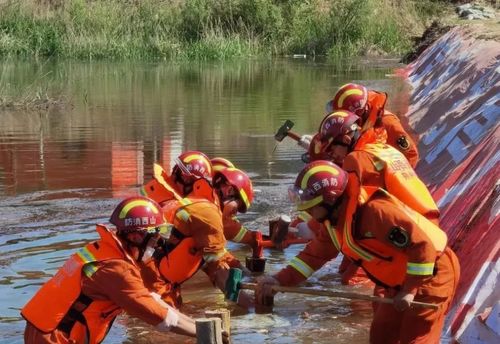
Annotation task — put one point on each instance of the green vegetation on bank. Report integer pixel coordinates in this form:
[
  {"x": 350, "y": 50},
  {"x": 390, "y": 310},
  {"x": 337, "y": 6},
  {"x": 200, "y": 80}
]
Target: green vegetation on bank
[{"x": 203, "y": 29}]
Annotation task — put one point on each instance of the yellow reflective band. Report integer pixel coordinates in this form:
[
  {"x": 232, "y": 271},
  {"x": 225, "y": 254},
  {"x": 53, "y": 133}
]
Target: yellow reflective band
[
  {"x": 309, "y": 204},
  {"x": 352, "y": 245},
  {"x": 212, "y": 257},
  {"x": 304, "y": 216},
  {"x": 420, "y": 269},
  {"x": 192, "y": 157},
  {"x": 89, "y": 269},
  {"x": 244, "y": 197},
  {"x": 299, "y": 265},
  {"x": 85, "y": 255},
  {"x": 158, "y": 175},
  {"x": 238, "y": 237},
  {"x": 183, "y": 215},
  {"x": 133, "y": 204},
  {"x": 333, "y": 235},
  {"x": 185, "y": 201},
  {"x": 312, "y": 171},
  {"x": 347, "y": 94},
  {"x": 165, "y": 229}
]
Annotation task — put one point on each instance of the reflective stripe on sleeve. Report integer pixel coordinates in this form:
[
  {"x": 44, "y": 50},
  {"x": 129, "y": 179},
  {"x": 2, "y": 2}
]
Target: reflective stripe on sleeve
[
  {"x": 304, "y": 216},
  {"x": 422, "y": 269},
  {"x": 89, "y": 269},
  {"x": 85, "y": 255},
  {"x": 299, "y": 265},
  {"x": 212, "y": 257},
  {"x": 183, "y": 215},
  {"x": 238, "y": 237}
]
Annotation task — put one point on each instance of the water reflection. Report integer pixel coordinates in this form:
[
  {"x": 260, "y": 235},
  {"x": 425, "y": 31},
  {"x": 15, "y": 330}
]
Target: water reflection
[{"x": 62, "y": 170}]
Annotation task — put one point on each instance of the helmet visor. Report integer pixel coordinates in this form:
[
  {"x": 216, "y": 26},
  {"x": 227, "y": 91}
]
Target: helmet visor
[
  {"x": 180, "y": 164},
  {"x": 303, "y": 200},
  {"x": 183, "y": 173}
]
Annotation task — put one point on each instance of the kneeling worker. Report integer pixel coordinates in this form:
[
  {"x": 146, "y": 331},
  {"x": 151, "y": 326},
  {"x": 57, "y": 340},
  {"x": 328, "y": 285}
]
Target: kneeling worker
[{"x": 98, "y": 282}]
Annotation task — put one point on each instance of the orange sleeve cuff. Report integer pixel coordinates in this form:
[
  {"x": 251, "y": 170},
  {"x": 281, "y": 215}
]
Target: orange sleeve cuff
[{"x": 289, "y": 277}]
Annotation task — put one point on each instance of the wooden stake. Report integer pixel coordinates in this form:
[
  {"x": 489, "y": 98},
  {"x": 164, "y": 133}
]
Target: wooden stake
[
  {"x": 224, "y": 315},
  {"x": 208, "y": 331}
]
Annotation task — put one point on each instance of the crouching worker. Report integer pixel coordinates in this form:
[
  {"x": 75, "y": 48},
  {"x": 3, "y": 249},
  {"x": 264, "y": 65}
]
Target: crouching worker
[
  {"x": 98, "y": 282},
  {"x": 397, "y": 247}
]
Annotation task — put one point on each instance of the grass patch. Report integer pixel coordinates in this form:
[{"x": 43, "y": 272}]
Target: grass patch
[{"x": 203, "y": 30}]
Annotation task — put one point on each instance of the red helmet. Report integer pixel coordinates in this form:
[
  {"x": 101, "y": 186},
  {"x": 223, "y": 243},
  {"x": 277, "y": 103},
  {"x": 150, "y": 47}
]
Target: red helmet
[
  {"x": 192, "y": 165},
  {"x": 137, "y": 213},
  {"x": 240, "y": 181},
  {"x": 319, "y": 181},
  {"x": 336, "y": 126},
  {"x": 220, "y": 163},
  {"x": 350, "y": 97}
]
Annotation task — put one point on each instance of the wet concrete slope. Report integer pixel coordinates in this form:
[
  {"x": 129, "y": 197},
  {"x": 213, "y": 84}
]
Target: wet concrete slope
[{"x": 455, "y": 110}]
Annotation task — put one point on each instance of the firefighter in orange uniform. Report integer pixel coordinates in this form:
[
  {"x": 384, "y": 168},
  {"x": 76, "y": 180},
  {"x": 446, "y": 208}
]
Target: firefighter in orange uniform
[
  {"x": 196, "y": 239},
  {"x": 80, "y": 303},
  {"x": 235, "y": 192},
  {"x": 397, "y": 247},
  {"x": 369, "y": 105},
  {"x": 179, "y": 183},
  {"x": 374, "y": 164}
]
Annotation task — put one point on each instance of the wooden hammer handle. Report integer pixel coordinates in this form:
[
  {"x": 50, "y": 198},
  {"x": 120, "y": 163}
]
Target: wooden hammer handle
[
  {"x": 336, "y": 293},
  {"x": 293, "y": 135}
]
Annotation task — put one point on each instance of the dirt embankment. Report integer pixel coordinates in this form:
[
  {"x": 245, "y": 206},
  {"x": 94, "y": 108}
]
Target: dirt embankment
[{"x": 487, "y": 29}]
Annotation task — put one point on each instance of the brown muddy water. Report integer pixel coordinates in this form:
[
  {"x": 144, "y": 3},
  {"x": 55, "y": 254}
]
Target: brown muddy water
[{"x": 62, "y": 170}]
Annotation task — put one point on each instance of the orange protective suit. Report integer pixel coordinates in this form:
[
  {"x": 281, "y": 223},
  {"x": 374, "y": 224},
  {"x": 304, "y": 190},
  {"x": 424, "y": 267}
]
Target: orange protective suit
[
  {"x": 81, "y": 301},
  {"x": 395, "y": 135},
  {"x": 370, "y": 171},
  {"x": 431, "y": 275},
  {"x": 200, "y": 221},
  {"x": 234, "y": 230}
]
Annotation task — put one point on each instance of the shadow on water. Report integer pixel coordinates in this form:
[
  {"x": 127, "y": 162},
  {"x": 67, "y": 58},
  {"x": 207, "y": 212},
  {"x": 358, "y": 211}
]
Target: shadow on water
[{"x": 62, "y": 171}]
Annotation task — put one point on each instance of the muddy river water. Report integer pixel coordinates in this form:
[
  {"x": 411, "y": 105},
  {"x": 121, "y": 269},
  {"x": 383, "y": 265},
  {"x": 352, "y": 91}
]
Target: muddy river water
[{"x": 63, "y": 169}]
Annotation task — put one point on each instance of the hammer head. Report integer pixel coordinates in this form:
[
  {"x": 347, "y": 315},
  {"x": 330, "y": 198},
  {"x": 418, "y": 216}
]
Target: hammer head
[
  {"x": 283, "y": 130},
  {"x": 232, "y": 287}
]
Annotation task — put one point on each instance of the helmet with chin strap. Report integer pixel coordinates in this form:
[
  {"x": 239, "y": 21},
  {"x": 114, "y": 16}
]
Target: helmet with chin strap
[
  {"x": 340, "y": 127},
  {"x": 240, "y": 181},
  {"x": 319, "y": 181},
  {"x": 190, "y": 166}
]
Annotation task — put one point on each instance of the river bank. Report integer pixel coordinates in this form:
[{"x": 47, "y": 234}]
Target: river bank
[{"x": 206, "y": 30}]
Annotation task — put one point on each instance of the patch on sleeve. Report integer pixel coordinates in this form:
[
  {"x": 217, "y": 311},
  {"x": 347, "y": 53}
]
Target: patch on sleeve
[
  {"x": 399, "y": 237},
  {"x": 403, "y": 143}
]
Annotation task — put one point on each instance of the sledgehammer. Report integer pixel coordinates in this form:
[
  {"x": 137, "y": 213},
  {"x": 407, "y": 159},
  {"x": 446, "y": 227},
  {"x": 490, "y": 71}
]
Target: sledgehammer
[
  {"x": 285, "y": 130},
  {"x": 234, "y": 285}
]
